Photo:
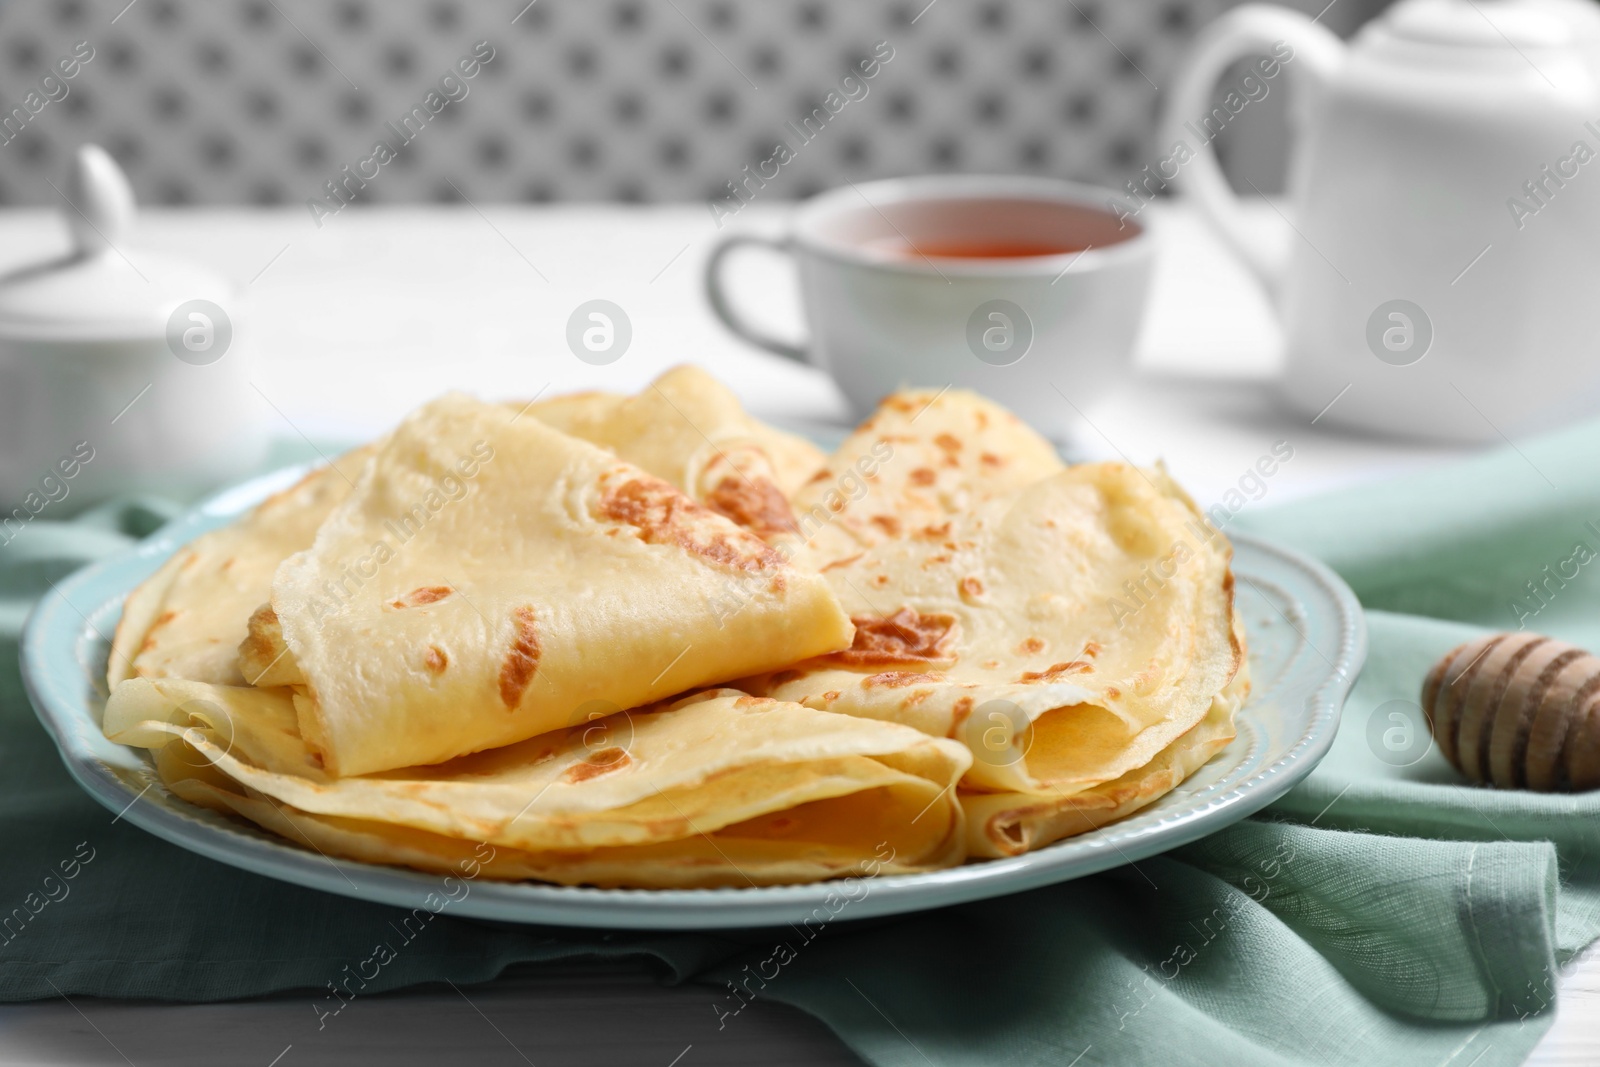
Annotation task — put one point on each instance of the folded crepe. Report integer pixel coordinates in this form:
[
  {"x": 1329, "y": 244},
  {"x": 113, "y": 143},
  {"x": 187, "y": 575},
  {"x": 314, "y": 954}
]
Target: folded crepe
[
  {"x": 1070, "y": 625},
  {"x": 1011, "y": 823},
  {"x": 921, "y": 455},
  {"x": 187, "y": 620},
  {"x": 488, "y": 575},
  {"x": 689, "y": 429},
  {"x": 719, "y": 788}
]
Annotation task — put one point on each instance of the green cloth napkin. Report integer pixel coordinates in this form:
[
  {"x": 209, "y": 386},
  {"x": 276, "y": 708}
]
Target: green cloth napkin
[{"x": 1376, "y": 915}]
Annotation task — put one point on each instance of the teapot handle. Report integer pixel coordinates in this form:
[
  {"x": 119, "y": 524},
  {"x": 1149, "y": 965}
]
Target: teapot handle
[{"x": 1309, "y": 53}]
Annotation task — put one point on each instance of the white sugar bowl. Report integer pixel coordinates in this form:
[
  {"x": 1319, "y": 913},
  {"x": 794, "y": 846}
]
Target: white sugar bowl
[{"x": 121, "y": 371}]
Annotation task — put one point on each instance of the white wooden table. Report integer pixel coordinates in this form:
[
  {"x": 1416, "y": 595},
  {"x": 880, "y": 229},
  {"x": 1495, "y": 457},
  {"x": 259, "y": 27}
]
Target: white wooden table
[{"x": 375, "y": 312}]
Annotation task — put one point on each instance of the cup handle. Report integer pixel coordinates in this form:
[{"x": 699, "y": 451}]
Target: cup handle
[
  {"x": 1251, "y": 29},
  {"x": 732, "y": 319}
]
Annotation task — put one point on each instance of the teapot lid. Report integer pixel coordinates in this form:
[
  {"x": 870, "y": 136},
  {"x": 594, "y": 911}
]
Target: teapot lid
[
  {"x": 1494, "y": 23},
  {"x": 97, "y": 291}
]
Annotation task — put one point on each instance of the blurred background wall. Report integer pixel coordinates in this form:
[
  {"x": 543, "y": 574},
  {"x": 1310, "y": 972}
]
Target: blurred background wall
[{"x": 263, "y": 101}]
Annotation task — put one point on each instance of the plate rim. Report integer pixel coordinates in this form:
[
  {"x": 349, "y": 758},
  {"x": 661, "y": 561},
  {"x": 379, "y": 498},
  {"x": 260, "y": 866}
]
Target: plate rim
[{"x": 56, "y": 626}]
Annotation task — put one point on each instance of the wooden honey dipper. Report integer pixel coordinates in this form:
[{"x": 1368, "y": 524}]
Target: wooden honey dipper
[{"x": 1518, "y": 711}]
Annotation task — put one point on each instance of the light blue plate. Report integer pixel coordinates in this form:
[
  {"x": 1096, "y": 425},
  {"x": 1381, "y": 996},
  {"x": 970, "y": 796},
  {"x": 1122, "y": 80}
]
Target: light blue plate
[{"x": 1307, "y": 643}]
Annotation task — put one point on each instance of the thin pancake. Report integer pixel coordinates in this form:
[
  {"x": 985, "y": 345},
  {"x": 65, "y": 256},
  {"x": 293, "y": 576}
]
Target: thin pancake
[
  {"x": 689, "y": 429},
  {"x": 1009, "y": 824},
  {"x": 787, "y": 792},
  {"x": 489, "y": 575},
  {"x": 921, "y": 456},
  {"x": 186, "y": 620},
  {"x": 1067, "y": 624}
]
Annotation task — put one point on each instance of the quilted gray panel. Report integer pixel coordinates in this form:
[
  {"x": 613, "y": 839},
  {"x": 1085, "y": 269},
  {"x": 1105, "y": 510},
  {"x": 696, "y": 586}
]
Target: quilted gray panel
[{"x": 264, "y": 101}]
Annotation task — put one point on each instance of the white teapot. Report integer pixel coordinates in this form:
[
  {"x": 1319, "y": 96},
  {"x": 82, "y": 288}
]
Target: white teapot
[{"x": 1437, "y": 266}]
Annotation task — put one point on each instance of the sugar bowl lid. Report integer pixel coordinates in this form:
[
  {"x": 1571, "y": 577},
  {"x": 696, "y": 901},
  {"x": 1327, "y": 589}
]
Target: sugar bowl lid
[{"x": 101, "y": 290}]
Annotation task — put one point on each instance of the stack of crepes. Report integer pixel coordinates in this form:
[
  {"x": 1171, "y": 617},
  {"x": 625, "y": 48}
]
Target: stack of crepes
[{"x": 649, "y": 641}]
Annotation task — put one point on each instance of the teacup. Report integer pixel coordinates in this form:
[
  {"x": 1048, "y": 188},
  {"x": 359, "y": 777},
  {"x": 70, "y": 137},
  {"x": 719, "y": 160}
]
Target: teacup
[{"x": 1026, "y": 289}]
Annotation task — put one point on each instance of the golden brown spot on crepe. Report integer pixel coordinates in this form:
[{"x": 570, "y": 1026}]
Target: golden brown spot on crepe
[
  {"x": 257, "y": 643},
  {"x": 948, "y": 442},
  {"x": 899, "y": 403},
  {"x": 1092, "y": 649},
  {"x": 887, "y": 523},
  {"x": 916, "y": 698},
  {"x": 1056, "y": 670},
  {"x": 750, "y": 701},
  {"x": 934, "y": 561},
  {"x": 754, "y": 503},
  {"x": 1031, "y": 646},
  {"x": 880, "y": 580},
  {"x": 830, "y": 696},
  {"x": 990, "y": 664},
  {"x": 983, "y": 420},
  {"x": 164, "y": 618},
  {"x": 971, "y": 586},
  {"x": 895, "y": 679},
  {"x": 906, "y": 637},
  {"x": 935, "y": 532},
  {"x": 435, "y": 659},
  {"x": 148, "y": 643},
  {"x": 842, "y": 562},
  {"x": 989, "y": 459},
  {"x": 1148, "y": 678},
  {"x": 427, "y": 594},
  {"x": 227, "y": 563},
  {"x": 821, "y": 476},
  {"x": 523, "y": 659},
  {"x": 785, "y": 677},
  {"x": 923, "y": 476},
  {"x": 1113, "y": 693},
  {"x": 958, "y": 715},
  {"x": 664, "y": 516},
  {"x": 604, "y": 761}
]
